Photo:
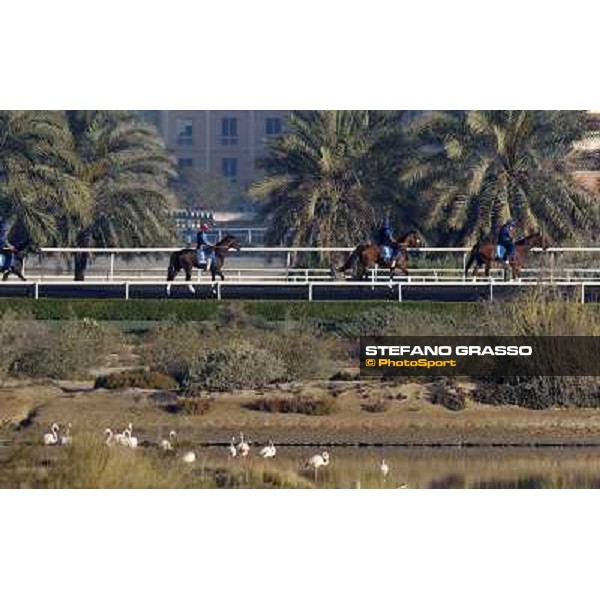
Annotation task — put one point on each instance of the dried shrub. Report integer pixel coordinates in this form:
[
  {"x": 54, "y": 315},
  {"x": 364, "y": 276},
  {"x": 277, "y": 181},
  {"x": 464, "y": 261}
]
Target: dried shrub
[
  {"x": 190, "y": 405},
  {"x": 345, "y": 376},
  {"x": 235, "y": 364},
  {"x": 303, "y": 352},
  {"x": 540, "y": 392},
  {"x": 447, "y": 394},
  {"x": 298, "y": 405},
  {"x": 140, "y": 378},
  {"x": 18, "y": 336},
  {"x": 70, "y": 350},
  {"x": 379, "y": 406},
  {"x": 388, "y": 320},
  {"x": 173, "y": 348}
]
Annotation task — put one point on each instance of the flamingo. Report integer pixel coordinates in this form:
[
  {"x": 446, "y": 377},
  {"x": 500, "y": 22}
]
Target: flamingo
[
  {"x": 110, "y": 438},
  {"x": 123, "y": 438},
  {"x": 232, "y": 449},
  {"x": 318, "y": 461},
  {"x": 130, "y": 441},
  {"x": 66, "y": 439},
  {"x": 51, "y": 439},
  {"x": 243, "y": 448},
  {"x": 269, "y": 451},
  {"x": 384, "y": 468},
  {"x": 167, "y": 445},
  {"x": 189, "y": 457}
]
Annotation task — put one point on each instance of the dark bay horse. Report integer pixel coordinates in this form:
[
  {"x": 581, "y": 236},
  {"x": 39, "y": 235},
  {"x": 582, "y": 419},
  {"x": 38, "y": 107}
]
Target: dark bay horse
[
  {"x": 484, "y": 253},
  {"x": 15, "y": 258},
  {"x": 366, "y": 256},
  {"x": 186, "y": 260}
]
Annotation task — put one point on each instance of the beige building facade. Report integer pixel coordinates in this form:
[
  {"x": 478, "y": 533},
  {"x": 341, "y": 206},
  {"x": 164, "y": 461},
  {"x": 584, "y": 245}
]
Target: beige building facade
[{"x": 223, "y": 143}]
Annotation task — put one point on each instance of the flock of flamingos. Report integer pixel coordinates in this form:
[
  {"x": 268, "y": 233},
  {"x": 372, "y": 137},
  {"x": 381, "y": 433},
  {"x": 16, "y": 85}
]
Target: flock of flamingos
[{"x": 237, "y": 449}]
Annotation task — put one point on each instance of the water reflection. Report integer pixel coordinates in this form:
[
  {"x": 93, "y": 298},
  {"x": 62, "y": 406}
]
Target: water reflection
[{"x": 429, "y": 468}]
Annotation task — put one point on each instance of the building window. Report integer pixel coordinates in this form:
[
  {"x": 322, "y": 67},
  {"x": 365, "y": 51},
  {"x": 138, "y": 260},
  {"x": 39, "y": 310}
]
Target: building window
[
  {"x": 185, "y": 163},
  {"x": 229, "y": 168},
  {"x": 185, "y": 132},
  {"x": 273, "y": 126},
  {"x": 229, "y": 131}
]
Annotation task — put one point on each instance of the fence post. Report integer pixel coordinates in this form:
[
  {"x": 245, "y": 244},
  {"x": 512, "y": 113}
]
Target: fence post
[
  {"x": 127, "y": 290},
  {"x": 112, "y": 266},
  {"x": 582, "y": 292},
  {"x": 310, "y": 292},
  {"x": 249, "y": 236},
  {"x": 36, "y": 290},
  {"x": 491, "y": 290},
  {"x": 552, "y": 265},
  {"x": 399, "y": 292},
  {"x": 464, "y": 276}
]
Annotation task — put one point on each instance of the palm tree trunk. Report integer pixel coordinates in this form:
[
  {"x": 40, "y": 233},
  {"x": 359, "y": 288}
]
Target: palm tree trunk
[{"x": 81, "y": 258}]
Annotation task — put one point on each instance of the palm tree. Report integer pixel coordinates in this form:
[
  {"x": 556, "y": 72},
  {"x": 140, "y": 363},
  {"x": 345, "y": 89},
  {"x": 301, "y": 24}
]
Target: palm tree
[
  {"x": 474, "y": 169},
  {"x": 325, "y": 178},
  {"x": 38, "y": 189},
  {"x": 124, "y": 164}
]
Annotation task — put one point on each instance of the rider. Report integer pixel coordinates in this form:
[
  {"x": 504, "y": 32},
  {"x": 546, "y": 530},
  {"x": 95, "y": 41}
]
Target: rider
[
  {"x": 506, "y": 238},
  {"x": 386, "y": 237},
  {"x": 204, "y": 249}
]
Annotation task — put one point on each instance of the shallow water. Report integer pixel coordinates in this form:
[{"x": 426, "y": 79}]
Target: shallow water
[
  {"x": 353, "y": 468},
  {"x": 430, "y": 467}
]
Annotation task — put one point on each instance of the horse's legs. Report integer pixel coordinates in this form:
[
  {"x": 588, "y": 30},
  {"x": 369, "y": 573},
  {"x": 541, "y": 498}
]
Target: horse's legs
[
  {"x": 171, "y": 277},
  {"x": 19, "y": 274},
  {"x": 188, "y": 277},
  {"x": 5, "y": 276}
]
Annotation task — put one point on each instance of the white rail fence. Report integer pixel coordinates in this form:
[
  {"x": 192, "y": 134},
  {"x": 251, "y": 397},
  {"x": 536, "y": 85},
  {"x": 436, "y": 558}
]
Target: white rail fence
[
  {"x": 395, "y": 291},
  {"x": 288, "y": 273}
]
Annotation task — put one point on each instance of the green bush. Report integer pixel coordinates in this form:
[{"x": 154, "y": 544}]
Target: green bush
[
  {"x": 112, "y": 309},
  {"x": 139, "y": 378},
  {"x": 235, "y": 364}
]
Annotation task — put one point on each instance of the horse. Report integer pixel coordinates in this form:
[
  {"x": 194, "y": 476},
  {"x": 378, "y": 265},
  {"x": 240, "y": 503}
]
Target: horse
[
  {"x": 486, "y": 253},
  {"x": 187, "y": 260},
  {"x": 369, "y": 255},
  {"x": 14, "y": 258}
]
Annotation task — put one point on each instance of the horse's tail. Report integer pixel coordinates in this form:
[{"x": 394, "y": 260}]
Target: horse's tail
[
  {"x": 350, "y": 260},
  {"x": 172, "y": 267},
  {"x": 471, "y": 258}
]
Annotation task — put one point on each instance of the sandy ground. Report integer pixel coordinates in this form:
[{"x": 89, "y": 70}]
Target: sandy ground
[{"x": 27, "y": 409}]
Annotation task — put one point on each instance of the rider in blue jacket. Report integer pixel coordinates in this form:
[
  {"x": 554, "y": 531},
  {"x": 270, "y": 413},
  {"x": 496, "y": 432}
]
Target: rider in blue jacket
[
  {"x": 505, "y": 238},
  {"x": 3, "y": 233},
  {"x": 386, "y": 238},
  {"x": 386, "y": 234},
  {"x": 204, "y": 248}
]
